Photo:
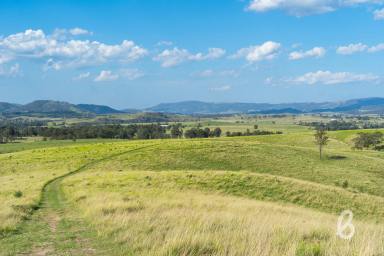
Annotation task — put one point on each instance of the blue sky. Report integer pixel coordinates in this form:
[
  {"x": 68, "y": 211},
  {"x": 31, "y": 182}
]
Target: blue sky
[{"x": 138, "y": 53}]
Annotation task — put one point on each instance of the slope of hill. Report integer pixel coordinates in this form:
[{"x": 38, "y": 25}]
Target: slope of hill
[
  {"x": 356, "y": 106},
  {"x": 59, "y": 108},
  {"x": 98, "y": 109},
  {"x": 54, "y": 109},
  {"x": 198, "y": 107},
  {"x": 4, "y": 106},
  {"x": 368, "y": 105},
  {"x": 46, "y": 108},
  {"x": 223, "y": 196}
]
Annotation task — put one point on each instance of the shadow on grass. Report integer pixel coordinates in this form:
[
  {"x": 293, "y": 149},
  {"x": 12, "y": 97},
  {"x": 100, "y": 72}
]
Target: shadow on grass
[{"x": 336, "y": 157}]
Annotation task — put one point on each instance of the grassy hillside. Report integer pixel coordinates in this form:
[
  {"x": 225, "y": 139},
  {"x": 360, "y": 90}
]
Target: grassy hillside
[
  {"x": 176, "y": 213},
  {"x": 278, "y": 155},
  {"x": 26, "y": 172},
  {"x": 262, "y": 195}
]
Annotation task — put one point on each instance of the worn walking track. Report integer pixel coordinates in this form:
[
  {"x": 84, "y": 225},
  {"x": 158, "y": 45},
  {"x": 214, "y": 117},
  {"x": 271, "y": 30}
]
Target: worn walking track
[{"x": 54, "y": 229}]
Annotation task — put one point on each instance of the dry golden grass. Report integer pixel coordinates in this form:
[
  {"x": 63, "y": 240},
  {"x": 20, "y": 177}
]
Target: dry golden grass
[
  {"x": 28, "y": 171},
  {"x": 200, "y": 197},
  {"x": 145, "y": 219}
]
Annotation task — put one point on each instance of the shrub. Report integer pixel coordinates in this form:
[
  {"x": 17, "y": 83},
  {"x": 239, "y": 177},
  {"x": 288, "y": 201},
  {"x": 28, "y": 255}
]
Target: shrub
[
  {"x": 367, "y": 140},
  {"x": 18, "y": 194}
]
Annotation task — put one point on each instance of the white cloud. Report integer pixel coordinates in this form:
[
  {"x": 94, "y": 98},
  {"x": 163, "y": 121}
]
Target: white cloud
[
  {"x": 378, "y": 14},
  {"x": 328, "y": 77},
  {"x": 376, "y": 48},
  {"x": 70, "y": 53},
  {"x": 4, "y": 58},
  {"x": 52, "y": 64},
  {"x": 82, "y": 76},
  {"x": 266, "y": 51},
  {"x": 11, "y": 71},
  {"x": 221, "y": 88},
  {"x": 176, "y": 56},
  {"x": 28, "y": 42},
  {"x": 359, "y": 47},
  {"x": 106, "y": 75},
  {"x": 306, "y": 7},
  {"x": 62, "y": 34},
  {"x": 214, "y": 53},
  {"x": 131, "y": 74},
  {"x": 170, "y": 58},
  {"x": 79, "y": 31},
  {"x": 109, "y": 75},
  {"x": 316, "y": 52},
  {"x": 351, "y": 48}
]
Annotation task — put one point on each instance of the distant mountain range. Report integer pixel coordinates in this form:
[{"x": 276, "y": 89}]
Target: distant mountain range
[
  {"x": 60, "y": 109},
  {"x": 356, "y": 106}
]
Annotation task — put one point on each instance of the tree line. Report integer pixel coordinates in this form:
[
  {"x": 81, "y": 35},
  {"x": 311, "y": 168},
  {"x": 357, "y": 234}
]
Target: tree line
[
  {"x": 251, "y": 133},
  {"x": 9, "y": 133},
  {"x": 337, "y": 125}
]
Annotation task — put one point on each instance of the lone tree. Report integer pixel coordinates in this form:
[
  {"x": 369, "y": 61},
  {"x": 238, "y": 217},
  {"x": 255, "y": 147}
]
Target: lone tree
[{"x": 321, "y": 139}]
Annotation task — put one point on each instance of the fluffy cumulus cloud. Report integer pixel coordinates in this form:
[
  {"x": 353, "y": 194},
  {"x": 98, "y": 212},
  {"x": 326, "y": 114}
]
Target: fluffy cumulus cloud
[
  {"x": 106, "y": 75},
  {"x": 328, "y": 77},
  {"x": 351, "y": 48},
  {"x": 316, "y": 52},
  {"x": 359, "y": 47},
  {"x": 68, "y": 52},
  {"x": 306, "y": 7},
  {"x": 213, "y": 53},
  {"x": 176, "y": 56},
  {"x": 255, "y": 53},
  {"x": 376, "y": 48}
]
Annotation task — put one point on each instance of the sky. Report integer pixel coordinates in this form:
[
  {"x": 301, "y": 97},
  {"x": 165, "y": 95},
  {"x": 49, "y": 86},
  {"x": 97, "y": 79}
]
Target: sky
[{"x": 139, "y": 53}]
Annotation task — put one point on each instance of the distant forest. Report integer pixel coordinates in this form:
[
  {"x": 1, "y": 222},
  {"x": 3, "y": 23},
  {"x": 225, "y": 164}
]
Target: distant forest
[
  {"x": 13, "y": 130},
  {"x": 336, "y": 125}
]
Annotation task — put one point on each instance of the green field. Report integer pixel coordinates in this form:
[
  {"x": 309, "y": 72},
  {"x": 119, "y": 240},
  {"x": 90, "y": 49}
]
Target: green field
[{"x": 260, "y": 195}]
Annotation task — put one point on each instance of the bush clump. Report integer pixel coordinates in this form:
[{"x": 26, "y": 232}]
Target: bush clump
[{"x": 18, "y": 194}]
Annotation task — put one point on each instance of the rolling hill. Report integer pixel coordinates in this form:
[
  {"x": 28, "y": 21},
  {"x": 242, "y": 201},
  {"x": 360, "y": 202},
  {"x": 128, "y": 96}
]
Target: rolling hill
[
  {"x": 98, "y": 109},
  {"x": 55, "y": 109},
  {"x": 4, "y": 106},
  {"x": 220, "y": 196},
  {"x": 356, "y": 106},
  {"x": 60, "y": 108}
]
